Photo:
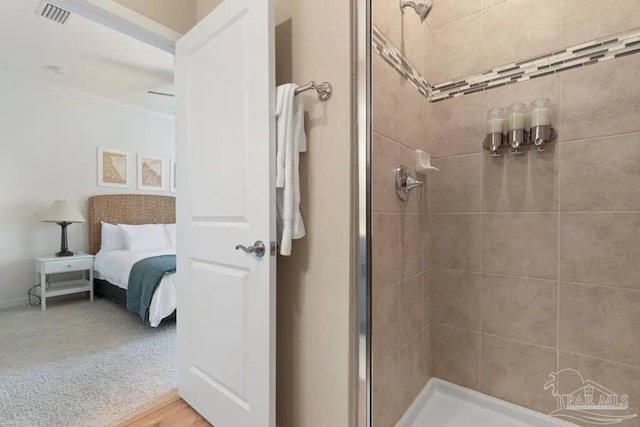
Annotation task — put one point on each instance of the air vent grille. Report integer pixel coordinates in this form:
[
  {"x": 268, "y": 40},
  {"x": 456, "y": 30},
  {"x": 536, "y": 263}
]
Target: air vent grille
[{"x": 52, "y": 12}]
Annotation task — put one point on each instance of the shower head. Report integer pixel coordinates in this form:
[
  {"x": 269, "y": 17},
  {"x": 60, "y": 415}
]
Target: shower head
[{"x": 422, "y": 9}]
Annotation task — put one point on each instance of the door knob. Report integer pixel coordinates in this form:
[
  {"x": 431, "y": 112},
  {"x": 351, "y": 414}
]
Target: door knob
[{"x": 258, "y": 248}]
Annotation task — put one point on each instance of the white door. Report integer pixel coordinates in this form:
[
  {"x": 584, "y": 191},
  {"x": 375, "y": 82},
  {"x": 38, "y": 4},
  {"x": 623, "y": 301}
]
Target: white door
[{"x": 225, "y": 125}]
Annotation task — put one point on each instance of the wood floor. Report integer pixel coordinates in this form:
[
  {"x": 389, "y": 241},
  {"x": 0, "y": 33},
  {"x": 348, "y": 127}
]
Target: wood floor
[{"x": 166, "y": 411}]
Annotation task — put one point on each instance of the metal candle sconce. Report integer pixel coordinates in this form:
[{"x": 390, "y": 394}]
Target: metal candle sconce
[{"x": 517, "y": 136}]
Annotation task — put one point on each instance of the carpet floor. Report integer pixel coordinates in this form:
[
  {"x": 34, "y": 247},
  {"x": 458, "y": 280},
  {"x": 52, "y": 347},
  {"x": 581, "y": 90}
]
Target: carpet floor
[{"x": 81, "y": 363}]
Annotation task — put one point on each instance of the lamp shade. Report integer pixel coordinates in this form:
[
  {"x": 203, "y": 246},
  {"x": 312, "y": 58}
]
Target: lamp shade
[{"x": 63, "y": 211}]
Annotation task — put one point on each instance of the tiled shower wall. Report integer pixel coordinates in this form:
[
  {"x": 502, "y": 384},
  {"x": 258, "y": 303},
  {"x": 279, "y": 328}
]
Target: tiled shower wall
[
  {"x": 469, "y": 36},
  {"x": 536, "y": 258},
  {"x": 531, "y": 262},
  {"x": 401, "y": 342},
  {"x": 401, "y": 353}
]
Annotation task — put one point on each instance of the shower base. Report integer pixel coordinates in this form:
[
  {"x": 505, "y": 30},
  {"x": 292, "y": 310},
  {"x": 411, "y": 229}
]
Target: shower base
[{"x": 443, "y": 404}]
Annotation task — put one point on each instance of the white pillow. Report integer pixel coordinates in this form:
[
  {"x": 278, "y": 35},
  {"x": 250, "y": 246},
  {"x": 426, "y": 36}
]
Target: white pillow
[
  {"x": 147, "y": 236},
  {"x": 111, "y": 239},
  {"x": 171, "y": 234}
]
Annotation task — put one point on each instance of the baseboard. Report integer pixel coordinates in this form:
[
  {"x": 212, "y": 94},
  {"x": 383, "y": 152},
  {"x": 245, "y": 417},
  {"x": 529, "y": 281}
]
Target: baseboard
[
  {"x": 13, "y": 303},
  {"x": 157, "y": 403}
]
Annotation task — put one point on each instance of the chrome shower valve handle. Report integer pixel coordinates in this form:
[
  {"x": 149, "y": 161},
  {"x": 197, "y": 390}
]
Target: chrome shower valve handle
[{"x": 405, "y": 182}]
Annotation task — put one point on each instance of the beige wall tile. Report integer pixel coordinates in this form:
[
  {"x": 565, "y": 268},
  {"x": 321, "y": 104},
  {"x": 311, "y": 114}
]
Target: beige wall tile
[
  {"x": 591, "y": 102},
  {"x": 414, "y": 34},
  {"x": 600, "y": 322},
  {"x": 386, "y": 256},
  {"x": 385, "y": 98},
  {"x": 522, "y": 244},
  {"x": 490, "y": 3},
  {"x": 601, "y": 174},
  {"x": 600, "y": 248},
  {"x": 385, "y": 315},
  {"x": 387, "y": 17},
  {"x": 456, "y": 355},
  {"x": 417, "y": 199},
  {"x": 411, "y": 308},
  {"x": 507, "y": 40},
  {"x": 454, "y": 50},
  {"x": 455, "y": 298},
  {"x": 405, "y": 31},
  {"x": 428, "y": 302},
  {"x": 446, "y": 11},
  {"x": 516, "y": 372},
  {"x": 601, "y": 99},
  {"x": 456, "y": 126},
  {"x": 520, "y": 308},
  {"x": 412, "y": 258},
  {"x": 386, "y": 156},
  {"x": 524, "y": 183},
  {"x": 427, "y": 350},
  {"x": 618, "y": 378},
  {"x": 426, "y": 242},
  {"x": 458, "y": 185},
  {"x": 585, "y": 20},
  {"x": 414, "y": 374},
  {"x": 387, "y": 391},
  {"x": 455, "y": 241},
  {"x": 412, "y": 127}
]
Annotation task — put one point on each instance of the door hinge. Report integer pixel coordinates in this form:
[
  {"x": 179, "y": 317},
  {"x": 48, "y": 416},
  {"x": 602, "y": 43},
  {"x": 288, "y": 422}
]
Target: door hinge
[{"x": 274, "y": 248}]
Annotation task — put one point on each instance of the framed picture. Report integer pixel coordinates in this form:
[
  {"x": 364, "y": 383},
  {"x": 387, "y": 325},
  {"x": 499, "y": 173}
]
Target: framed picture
[
  {"x": 112, "y": 168},
  {"x": 151, "y": 173},
  {"x": 172, "y": 165}
]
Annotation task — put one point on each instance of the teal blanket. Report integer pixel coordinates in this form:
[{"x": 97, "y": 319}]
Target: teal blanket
[{"x": 144, "y": 279}]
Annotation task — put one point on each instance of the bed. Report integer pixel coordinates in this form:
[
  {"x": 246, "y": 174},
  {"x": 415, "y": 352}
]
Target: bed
[{"x": 112, "y": 268}]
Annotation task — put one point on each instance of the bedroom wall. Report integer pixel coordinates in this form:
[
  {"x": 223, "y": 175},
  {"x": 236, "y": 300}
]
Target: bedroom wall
[{"x": 48, "y": 140}]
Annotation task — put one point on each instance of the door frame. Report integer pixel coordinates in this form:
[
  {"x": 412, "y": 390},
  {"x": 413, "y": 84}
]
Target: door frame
[
  {"x": 124, "y": 20},
  {"x": 362, "y": 98}
]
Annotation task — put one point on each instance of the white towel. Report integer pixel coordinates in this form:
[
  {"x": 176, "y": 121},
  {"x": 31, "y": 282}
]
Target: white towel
[{"x": 291, "y": 141}]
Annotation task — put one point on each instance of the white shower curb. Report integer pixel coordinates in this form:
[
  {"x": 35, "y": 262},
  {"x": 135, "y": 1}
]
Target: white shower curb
[{"x": 467, "y": 404}]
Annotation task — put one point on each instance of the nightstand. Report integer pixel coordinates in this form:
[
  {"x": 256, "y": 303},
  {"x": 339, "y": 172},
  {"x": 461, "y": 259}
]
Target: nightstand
[{"x": 55, "y": 265}]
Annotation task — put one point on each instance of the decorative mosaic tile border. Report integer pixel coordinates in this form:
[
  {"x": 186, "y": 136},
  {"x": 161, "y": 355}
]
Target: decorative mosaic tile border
[
  {"x": 593, "y": 52},
  {"x": 387, "y": 51}
]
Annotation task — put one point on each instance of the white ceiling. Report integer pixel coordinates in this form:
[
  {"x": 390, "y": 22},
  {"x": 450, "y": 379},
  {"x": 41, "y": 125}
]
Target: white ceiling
[{"x": 94, "y": 59}]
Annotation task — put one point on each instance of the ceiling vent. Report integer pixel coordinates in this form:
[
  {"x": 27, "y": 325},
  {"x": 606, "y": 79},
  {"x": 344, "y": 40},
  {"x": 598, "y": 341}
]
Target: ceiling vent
[{"x": 52, "y": 12}]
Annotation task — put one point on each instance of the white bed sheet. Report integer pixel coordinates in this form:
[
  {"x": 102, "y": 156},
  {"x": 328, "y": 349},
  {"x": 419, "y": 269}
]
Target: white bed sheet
[{"x": 115, "y": 267}]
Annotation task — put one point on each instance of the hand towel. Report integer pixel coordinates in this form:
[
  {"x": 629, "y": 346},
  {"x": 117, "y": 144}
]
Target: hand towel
[{"x": 291, "y": 141}]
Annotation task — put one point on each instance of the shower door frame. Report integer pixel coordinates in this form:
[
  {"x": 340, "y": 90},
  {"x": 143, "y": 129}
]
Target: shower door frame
[{"x": 362, "y": 129}]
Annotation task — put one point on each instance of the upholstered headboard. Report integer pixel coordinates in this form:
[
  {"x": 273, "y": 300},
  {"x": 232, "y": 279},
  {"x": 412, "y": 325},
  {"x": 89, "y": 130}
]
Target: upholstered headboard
[{"x": 128, "y": 209}]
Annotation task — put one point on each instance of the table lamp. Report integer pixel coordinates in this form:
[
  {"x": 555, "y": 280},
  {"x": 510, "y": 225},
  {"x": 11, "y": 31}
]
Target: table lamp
[{"x": 63, "y": 213}]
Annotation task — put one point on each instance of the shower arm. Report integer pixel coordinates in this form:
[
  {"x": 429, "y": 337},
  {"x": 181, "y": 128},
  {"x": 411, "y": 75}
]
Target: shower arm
[{"x": 422, "y": 9}]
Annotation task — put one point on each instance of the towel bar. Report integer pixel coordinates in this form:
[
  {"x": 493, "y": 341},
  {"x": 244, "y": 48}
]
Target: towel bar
[{"x": 324, "y": 89}]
